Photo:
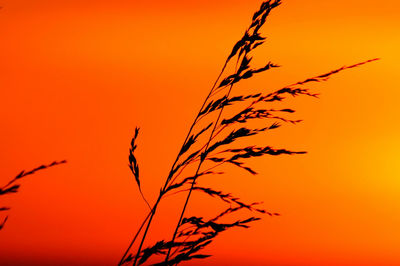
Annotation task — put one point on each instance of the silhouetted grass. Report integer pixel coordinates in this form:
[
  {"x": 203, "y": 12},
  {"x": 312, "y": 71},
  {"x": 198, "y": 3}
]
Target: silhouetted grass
[
  {"x": 11, "y": 187},
  {"x": 206, "y": 153}
]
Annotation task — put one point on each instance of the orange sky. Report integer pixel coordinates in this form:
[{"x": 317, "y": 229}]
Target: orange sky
[{"x": 78, "y": 76}]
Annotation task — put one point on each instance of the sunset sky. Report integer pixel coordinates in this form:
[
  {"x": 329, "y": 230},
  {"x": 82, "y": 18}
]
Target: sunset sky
[{"x": 77, "y": 77}]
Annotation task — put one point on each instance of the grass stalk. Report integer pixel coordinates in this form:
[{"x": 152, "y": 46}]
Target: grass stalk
[{"x": 162, "y": 191}]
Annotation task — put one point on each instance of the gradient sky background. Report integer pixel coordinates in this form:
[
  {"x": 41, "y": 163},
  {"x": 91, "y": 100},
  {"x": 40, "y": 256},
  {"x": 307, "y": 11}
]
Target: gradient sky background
[{"x": 76, "y": 78}]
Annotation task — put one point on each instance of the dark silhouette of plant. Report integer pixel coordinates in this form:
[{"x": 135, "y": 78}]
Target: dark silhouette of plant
[
  {"x": 205, "y": 153},
  {"x": 11, "y": 187}
]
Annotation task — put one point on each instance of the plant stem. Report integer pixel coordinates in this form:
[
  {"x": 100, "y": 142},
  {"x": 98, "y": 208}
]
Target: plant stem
[
  {"x": 196, "y": 175},
  {"x": 153, "y": 210},
  {"x": 134, "y": 238}
]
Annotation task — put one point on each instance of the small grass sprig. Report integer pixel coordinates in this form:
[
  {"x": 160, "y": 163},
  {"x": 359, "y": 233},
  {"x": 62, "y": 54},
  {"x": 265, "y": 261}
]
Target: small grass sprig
[{"x": 11, "y": 187}]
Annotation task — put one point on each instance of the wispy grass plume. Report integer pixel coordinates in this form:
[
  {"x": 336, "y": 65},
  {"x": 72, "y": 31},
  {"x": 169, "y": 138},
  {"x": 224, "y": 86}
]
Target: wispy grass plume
[
  {"x": 212, "y": 142},
  {"x": 12, "y": 187}
]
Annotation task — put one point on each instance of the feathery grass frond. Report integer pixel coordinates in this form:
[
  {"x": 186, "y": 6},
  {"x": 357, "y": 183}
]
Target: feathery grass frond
[
  {"x": 213, "y": 143},
  {"x": 10, "y": 187}
]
